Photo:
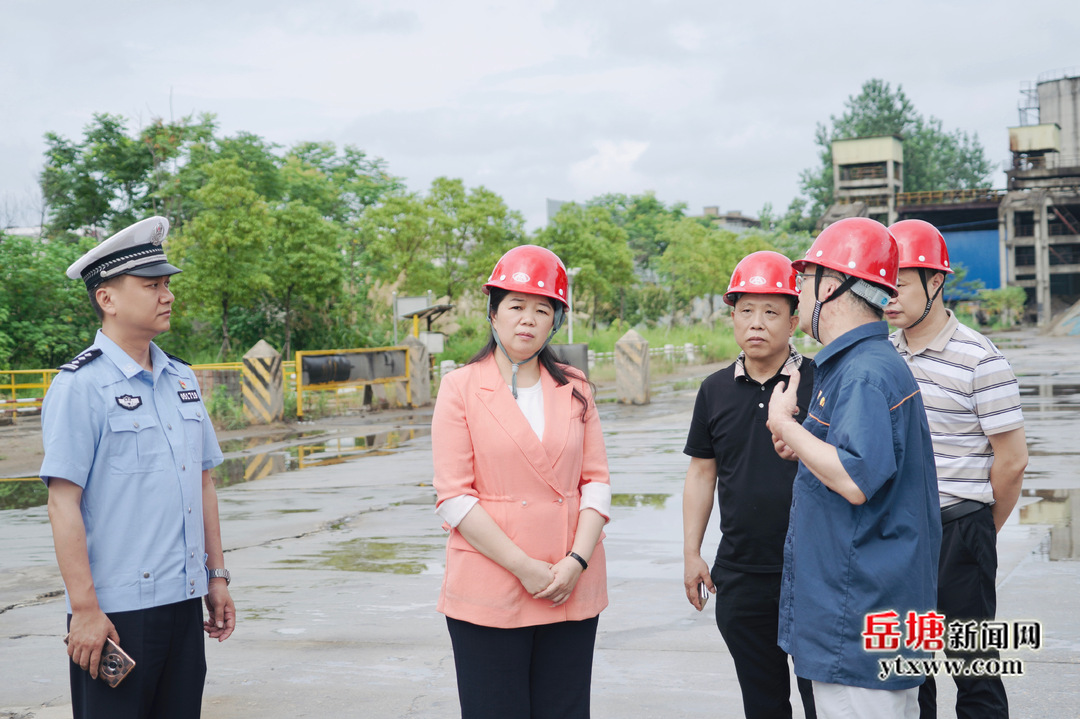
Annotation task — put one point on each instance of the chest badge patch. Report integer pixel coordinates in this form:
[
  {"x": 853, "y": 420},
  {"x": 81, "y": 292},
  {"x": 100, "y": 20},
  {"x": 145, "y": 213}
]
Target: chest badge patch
[
  {"x": 183, "y": 385},
  {"x": 128, "y": 402},
  {"x": 189, "y": 395}
]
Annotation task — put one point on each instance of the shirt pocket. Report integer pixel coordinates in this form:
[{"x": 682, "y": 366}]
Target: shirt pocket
[
  {"x": 136, "y": 443},
  {"x": 193, "y": 414}
]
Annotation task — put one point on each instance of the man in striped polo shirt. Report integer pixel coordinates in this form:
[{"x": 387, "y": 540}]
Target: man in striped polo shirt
[{"x": 973, "y": 407}]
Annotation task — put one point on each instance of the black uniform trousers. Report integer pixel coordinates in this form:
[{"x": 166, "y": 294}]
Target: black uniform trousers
[
  {"x": 966, "y": 575},
  {"x": 167, "y": 645},
  {"x": 748, "y": 615},
  {"x": 538, "y": 672}
]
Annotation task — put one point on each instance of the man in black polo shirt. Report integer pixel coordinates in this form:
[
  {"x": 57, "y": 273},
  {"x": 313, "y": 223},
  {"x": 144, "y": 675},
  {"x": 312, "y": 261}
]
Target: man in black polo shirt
[{"x": 731, "y": 450}]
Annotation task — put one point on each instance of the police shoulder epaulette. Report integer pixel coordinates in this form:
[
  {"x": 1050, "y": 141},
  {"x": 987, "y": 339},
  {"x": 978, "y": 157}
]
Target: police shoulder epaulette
[
  {"x": 84, "y": 359},
  {"x": 181, "y": 361}
]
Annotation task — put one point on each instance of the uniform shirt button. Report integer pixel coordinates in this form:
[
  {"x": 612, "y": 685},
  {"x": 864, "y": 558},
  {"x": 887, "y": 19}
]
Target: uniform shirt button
[
  {"x": 189, "y": 510},
  {"x": 193, "y": 555},
  {"x": 135, "y": 425},
  {"x": 193, "y": 582},
  {"x": 198, "y": 414},
  {"x": 169, "y": 426},
  {"x": 192, "y": 590},
  {"x": 146, "y": 575},
  {"x": 183, "y": 467}
]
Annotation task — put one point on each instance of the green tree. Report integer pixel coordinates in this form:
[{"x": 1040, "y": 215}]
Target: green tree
[
  {"x": 588, "y": 238},
  {"x": 934, "y": 159},
  {"x": 1005, "y": 305},
  {"x": 304, "y": 263},
  {"x": 699, "y": 260},
  {"x": 223, "y": 249},
  {"x": 446, "y": 241},
  {"x": 643, "y": 217},
  {"x": 48, "y": 317}
]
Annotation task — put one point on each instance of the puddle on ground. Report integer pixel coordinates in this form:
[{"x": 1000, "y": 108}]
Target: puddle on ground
[
  {"x": 377, "y": 555},
  {"x": 23, "y": 494},
  {"x": 1057, "y": 508},
  {"x": 653, "y": 500},
  {"x": 242, "y": 443},
  {"x": 331, "y": 450}
]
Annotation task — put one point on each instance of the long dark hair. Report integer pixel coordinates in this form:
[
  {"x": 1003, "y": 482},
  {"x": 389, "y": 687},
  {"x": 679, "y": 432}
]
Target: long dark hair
[{"x": 561, "y": 373}]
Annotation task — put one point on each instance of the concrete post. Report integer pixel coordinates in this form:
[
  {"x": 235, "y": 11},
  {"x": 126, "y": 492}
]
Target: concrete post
[
  {"x": 446, "y": 367},
  {"x": 689, "y": 348},
  {"x": 632, "y": 369},
  {"x": 419, "y": 372},
  {"x": 263, "y": 385}
]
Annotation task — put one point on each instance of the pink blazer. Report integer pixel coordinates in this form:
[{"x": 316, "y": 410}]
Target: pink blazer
[{"x": 484, "y": 446}]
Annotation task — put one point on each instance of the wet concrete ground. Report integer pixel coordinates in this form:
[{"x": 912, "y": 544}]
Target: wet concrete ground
[{"x": 337, "y": 568}]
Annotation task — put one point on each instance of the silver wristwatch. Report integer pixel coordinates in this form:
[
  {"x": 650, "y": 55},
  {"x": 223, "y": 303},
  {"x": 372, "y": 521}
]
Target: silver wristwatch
[{"x": 223, "y": 574}]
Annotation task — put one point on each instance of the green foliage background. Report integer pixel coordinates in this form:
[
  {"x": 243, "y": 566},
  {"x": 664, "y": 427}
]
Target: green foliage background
[{"x": 303, "y": 246}]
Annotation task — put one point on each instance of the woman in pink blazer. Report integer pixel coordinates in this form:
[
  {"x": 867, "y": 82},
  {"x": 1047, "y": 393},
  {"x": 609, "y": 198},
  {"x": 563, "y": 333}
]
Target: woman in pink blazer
[{"x": 522, "y": 481}]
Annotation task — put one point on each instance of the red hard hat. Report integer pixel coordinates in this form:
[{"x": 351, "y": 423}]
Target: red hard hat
[
  {"x": 532, "y": 269},
  {"x": 921, "y": 245},
  {"x": 762, "y": 273},
  {"x": 856, "y": 246}
]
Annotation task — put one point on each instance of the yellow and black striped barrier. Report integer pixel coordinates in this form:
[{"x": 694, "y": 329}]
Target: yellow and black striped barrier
[{"x": 263, "y": 387}]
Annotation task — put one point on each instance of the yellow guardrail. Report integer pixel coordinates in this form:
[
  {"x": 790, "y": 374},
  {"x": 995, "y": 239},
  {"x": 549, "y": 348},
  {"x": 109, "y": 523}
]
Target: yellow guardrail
[
  {"x": 11, "y": 401},
  {"x": 301, "y": 387},
  {"x": 14, "y": 382}
]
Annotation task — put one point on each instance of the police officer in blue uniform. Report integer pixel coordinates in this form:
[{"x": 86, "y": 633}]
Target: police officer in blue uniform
[{"x": 128, "y": 452}]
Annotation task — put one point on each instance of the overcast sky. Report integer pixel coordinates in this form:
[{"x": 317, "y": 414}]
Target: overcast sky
[{"x": 708, "y": 103}]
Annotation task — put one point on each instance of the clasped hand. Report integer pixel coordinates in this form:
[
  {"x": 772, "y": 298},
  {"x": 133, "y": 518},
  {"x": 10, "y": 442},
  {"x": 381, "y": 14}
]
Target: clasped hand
[{"x": 551, "y": 581}]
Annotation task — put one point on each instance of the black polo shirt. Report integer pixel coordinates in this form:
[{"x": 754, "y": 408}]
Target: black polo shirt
[{"x": 753, "y": 485}]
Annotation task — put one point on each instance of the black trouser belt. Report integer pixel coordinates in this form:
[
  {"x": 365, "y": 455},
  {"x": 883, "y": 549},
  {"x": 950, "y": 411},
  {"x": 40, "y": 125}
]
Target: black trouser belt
[{"x": 961, "y": 509}]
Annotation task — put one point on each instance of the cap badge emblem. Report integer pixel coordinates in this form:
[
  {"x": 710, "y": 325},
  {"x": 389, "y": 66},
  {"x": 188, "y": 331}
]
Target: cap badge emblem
[
  {"x": 159, "y": 234},
  {"x": 520, "y": 277},
  {"x": 757, "y": 280}
]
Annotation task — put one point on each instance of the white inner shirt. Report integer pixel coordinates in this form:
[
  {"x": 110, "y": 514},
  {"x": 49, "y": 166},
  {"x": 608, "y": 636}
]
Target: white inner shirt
[{"x": 531, "y": 402}]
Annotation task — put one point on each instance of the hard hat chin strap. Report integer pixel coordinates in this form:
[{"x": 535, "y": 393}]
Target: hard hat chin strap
[
  {"x": 559, "y": 315},
  {"x": 929, "y": 299},
  {"x": 819, "y": 272}
]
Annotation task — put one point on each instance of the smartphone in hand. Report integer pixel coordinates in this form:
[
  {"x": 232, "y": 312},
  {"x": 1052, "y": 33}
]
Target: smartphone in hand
[{"x": 703, "y": 594}]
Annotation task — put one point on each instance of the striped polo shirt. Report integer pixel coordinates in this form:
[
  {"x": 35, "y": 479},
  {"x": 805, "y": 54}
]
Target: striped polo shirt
[{"x": 970, "y": 393}]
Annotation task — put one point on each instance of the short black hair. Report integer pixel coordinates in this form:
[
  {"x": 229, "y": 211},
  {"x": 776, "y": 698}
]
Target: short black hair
[{"x": 93, "y": 296}]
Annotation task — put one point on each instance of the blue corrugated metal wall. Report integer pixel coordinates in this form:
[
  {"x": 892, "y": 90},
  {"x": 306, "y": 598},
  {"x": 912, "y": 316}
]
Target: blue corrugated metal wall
[{"x": 977, "y": 250}]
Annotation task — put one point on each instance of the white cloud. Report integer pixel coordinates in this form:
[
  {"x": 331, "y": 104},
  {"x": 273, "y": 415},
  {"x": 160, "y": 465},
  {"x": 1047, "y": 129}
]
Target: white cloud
[{"x": 610, "y": 169}]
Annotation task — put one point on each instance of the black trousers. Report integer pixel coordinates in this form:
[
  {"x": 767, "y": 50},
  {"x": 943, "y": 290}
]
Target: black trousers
[
  {"x": 966, "y": 575},
  {"x": 170, "y": 667},
  {"x": 540, "y": 672},
  {"x": 748, "y": 615}
]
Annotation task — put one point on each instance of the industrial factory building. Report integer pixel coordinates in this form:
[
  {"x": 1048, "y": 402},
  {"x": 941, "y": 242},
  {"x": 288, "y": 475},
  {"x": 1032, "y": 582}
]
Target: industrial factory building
[{"x": 1027, "y": 234}]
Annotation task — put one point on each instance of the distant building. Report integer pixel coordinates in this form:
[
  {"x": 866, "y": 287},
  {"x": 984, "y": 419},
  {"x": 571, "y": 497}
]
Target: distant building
[
  {"x": 732, "y": 220},
  {"x": 1027, "y": 235}
]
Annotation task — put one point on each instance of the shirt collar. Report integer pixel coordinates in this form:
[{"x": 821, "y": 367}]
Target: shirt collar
[
  {"x": 123, "y": 361},
  {"x": 794, "y": 360},
  {"x": 940, "y": 341},
  {"x": 852, "y": 337}
]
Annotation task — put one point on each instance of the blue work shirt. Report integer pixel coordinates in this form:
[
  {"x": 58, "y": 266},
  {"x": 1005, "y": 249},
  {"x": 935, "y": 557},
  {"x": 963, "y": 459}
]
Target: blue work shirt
[
  {"x": 137, "y": 443},
  {"x": 842, "y": 561}
]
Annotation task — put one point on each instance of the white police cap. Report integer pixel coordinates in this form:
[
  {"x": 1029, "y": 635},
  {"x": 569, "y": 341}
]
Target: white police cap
[{"x": 135, "y": 250}]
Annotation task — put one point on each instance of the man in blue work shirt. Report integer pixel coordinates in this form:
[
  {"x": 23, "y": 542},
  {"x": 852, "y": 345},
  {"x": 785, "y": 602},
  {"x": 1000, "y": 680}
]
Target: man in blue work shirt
[
  {"x": 128, "y": 453},
  {"x": 861, "y": 554}
]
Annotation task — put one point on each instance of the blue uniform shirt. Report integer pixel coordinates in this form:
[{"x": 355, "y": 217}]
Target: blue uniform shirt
[
  {"x": 841, "y": 561},
  {"x": 137, "y": 443}
]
